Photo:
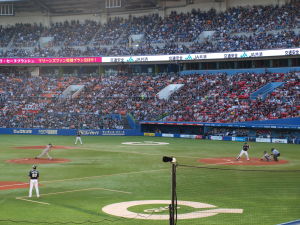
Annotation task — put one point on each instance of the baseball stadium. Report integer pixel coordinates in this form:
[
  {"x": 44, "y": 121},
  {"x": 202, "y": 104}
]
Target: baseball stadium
[{"x": 150, "y": 112}]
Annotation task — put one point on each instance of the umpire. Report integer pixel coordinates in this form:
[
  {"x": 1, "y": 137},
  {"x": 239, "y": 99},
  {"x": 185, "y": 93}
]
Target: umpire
[{"x": 275, "y": 154}]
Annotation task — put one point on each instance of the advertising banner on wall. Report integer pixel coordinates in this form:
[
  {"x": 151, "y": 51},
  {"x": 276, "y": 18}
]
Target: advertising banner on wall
[
  {"x": 191, "y": 136},
  {"x": 149, "y": 134},
  {"x": 155, "y": 58},
  {"x": 67, "y": 60},
  {"x": 266, "y": 140},
  {"x": 216, "y": 138},
  {"x": 278, "y": 140},
  {"x": 71, "y": 132},
  {"x": 203, "y": 56},
  {"x": 167, "y": 135},
  {"x": 243, "y": 139}
]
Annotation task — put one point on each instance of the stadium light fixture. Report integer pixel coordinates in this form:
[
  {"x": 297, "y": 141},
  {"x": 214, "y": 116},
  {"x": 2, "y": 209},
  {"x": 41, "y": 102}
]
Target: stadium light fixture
[{"x": 169, "y": 159}]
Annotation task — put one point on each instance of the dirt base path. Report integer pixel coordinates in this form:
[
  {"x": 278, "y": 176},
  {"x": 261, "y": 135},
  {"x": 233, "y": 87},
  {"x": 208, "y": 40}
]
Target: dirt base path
[
  {"x": 37, "y": 161},
  {"x": 44, "y": 146},
  {"x": 8, "y": 185},
  {"x": 244, "y": 162}
]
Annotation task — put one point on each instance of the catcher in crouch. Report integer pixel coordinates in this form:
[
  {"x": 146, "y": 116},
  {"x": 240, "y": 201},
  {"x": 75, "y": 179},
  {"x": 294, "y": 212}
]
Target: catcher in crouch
[
  {"x": 266, "y": 157},
  {"x": 45, "y": 152}
]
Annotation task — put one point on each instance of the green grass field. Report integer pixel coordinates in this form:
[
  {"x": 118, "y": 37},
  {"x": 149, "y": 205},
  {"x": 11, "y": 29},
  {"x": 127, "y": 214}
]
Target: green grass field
[{"x": 103, "y": 171}]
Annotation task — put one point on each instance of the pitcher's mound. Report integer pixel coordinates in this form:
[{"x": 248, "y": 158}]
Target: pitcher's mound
[
  {"x": 233, "y": 161},
  {"x": 37, "y": 161}
]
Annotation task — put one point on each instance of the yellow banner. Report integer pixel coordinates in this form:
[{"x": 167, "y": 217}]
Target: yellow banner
[{"x": 149, "y": 134}]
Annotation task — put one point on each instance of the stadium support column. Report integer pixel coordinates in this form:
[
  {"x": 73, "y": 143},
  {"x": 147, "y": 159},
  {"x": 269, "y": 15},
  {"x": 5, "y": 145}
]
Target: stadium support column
[
  {"x": 101, "y": 70},
  {"x": 156, "y": 69},
  {"x": 173, "y": 205}
]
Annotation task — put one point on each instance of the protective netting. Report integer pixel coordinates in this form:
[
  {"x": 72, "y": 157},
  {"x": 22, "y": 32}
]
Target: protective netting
[{"x": 237, "y": 196}]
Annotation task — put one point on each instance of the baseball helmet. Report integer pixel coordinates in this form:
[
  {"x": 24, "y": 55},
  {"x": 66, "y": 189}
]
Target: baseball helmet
[{"x": 34, "y": 167}]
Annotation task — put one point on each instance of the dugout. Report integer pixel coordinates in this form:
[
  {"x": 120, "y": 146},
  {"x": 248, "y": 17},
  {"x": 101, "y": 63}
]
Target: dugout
[{"x": 250, "y": 131}]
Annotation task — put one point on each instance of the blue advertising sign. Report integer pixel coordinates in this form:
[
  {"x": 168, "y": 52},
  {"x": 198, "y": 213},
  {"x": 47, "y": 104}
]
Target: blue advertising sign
[{"x": 71, "y": 132}]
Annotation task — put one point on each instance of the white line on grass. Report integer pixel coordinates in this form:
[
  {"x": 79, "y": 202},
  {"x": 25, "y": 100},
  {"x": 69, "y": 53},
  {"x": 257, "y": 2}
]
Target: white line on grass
[
  {"x": 139, "y": 153},
  {"x": 86, "y": 189},
  {"x": 107, "y": 175},
  {"x": 25, "y": 198}
]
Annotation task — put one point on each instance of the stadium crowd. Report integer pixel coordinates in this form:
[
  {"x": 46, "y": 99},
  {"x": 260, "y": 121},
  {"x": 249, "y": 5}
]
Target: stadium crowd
[
  {"x": 227, "y": 98},
  {"x": 239, "y": 28},
  {"x": 41, "y": 102}
]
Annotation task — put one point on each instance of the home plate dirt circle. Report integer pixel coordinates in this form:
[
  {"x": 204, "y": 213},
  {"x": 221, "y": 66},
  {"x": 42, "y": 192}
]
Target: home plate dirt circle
[
  {"x": 244, "y": 162},
  {"x": 37, "y": 161},
  {"x": 122, "y": 209}
]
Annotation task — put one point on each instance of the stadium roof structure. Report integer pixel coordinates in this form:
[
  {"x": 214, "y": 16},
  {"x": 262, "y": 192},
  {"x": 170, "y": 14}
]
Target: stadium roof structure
[{"x": 68, "y": 7}]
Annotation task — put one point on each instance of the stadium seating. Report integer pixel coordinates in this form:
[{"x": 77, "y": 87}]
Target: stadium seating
[
  {"x": 38, "y": 103},
  {"x": 250, "y": 28}
]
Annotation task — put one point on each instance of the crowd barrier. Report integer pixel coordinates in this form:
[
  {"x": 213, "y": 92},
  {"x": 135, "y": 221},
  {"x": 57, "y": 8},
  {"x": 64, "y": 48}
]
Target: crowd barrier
[
  {"x": 70, "y": 132},
  {"x": 243, "y": 139},
  {"x": 218, "y": 138},
  {"x": 129, "y": 132},
  {"x": 190, "y": 136}
]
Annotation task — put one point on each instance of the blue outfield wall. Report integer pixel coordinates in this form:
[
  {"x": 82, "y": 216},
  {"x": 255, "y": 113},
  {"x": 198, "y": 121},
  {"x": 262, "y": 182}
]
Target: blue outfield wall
[
  {"x": 219, "y": 138},
  {"x": 290, "y": 123},
  {"x": 71, "y": 132}
]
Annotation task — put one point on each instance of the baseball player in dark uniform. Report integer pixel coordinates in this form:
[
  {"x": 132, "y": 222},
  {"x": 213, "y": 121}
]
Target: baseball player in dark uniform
[
  {"x": 33, "y": 181},
  {"x": 244, "y": 150},
  {"x": 78, "y": 137}
]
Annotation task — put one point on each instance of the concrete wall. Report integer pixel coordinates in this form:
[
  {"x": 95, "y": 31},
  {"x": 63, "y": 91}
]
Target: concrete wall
[
  {"x": 24, "y": 18},
  {"x": 204, "y": 5},
  {"x": 233, "y": 3},
  {"x": 47, "y": 20},
  {"x": 165, "y": 9}
]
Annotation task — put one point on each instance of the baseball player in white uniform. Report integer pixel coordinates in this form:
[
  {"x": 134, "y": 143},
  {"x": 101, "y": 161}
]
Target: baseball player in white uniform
[
  {"x": 78, "y": 138},
  {"x": 46, "y": 152},
  {"x": 266, "y": 157},
  {"x": 34, "y": 181}
]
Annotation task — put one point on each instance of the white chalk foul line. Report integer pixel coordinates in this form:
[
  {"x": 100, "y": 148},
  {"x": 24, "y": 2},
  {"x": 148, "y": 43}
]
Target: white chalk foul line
[
  {"x": 28, "y": 200},
  {"x": 77, "y": 190},
  {"x": 139, "y": 153},
  {"x": 86, "y": 189},
  {"x": 25, "y": 198},
  {"x": 105, "y": 175}
]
